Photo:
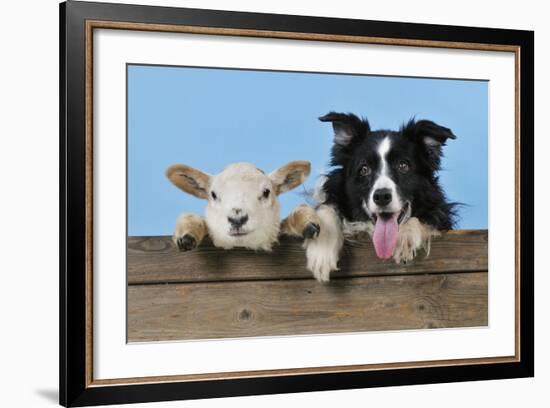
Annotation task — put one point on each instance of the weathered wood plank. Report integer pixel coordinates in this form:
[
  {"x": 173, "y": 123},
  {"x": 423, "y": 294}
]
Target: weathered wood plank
[
  {"x": 267, "y": 308},
  {"x": 156, "y": 260}
]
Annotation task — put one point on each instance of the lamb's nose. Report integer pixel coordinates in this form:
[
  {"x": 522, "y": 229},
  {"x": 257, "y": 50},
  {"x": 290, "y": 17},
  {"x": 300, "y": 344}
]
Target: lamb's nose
[
  {"x": 237, "y": 222},
  {"x": 382, "y": 197}
]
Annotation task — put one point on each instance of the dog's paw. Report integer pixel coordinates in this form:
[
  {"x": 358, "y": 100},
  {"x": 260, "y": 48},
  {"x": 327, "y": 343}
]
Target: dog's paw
[
  {"x": 186, "y": 242},
  {"x": 321, "y": 267},
  {"x": 311, "y": 230},
  {"x": 405, "y": 251},
  {"x": 413, "y": 236},
  {"x": 322, "y": 258},
  {"x": 323, "y": 252},
  {"x": 409, "y": 241}
]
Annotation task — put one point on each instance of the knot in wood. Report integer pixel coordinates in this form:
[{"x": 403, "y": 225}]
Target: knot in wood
[{"x": 245, "y": 314}]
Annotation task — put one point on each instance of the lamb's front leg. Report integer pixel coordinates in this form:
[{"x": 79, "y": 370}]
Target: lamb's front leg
[
  {"x": 190, "y": 231},
  {"x": 413, "y": 235},
  {"x": 302, "y": 222},
  {"x": 323, "y": 252}
]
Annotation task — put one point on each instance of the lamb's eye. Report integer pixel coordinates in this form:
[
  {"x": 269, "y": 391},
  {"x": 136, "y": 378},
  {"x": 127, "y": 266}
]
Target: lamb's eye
[
  {"x": 214, "y": 195},
  {"x": 365, "y": 171},
  {"x": 265, "y": 193},
  {"x": 403, "y": 167}
]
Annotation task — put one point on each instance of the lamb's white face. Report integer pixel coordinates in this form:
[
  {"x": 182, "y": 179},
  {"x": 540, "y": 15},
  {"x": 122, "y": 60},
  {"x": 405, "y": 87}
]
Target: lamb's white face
[{"x": 243, "y": 210}]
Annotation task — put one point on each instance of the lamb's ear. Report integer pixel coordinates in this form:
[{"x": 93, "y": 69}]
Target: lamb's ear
[
  {"x": 432, "y": 137},
  {"x": 290, "y": 175},
  {"x": 190, "y": 180},
  {"x": 347, "y": 127}
]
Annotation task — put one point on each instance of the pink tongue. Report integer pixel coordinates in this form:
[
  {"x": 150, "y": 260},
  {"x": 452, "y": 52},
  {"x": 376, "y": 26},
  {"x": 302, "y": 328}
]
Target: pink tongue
[{"x": 385, "y": 236}]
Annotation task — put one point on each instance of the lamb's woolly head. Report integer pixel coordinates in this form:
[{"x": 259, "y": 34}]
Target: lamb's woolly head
[{"x": 243, "y": 209}]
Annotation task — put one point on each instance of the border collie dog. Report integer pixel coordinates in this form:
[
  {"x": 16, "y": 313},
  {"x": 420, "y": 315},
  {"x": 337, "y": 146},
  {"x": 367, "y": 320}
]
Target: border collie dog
[{"x": 384, "y": 183}]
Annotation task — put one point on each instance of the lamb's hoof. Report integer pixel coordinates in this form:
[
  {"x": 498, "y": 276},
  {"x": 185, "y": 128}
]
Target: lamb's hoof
[
  {"x": 186, "y": 242},
  {"x": 311, "y": 231}
]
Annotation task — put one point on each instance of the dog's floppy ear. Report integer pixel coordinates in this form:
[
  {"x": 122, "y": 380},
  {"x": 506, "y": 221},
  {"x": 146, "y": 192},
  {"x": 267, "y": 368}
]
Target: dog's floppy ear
[
  {"x": 431, "y": 136},
  {"x": 347, "y": 127},
  {"x": 290, "y": 175},
  {"x": 190, "y": 180}
]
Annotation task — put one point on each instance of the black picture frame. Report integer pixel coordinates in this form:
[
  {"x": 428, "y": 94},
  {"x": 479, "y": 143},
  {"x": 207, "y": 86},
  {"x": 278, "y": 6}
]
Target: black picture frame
[{"x": 76, "y": 389}]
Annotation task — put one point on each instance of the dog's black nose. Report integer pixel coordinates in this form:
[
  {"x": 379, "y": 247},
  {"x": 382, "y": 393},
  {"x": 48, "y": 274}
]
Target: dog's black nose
[
  {"x": 382, "y": 197},
  {"x": 237, "y": 222}
]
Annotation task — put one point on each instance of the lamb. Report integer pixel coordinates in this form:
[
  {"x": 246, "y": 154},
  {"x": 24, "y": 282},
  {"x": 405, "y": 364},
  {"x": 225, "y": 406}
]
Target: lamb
[{"x": 243, "y": 208}]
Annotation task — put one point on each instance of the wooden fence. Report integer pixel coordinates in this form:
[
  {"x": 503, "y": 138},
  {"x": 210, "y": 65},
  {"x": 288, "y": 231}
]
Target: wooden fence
[{"x": 215, "y": 293}]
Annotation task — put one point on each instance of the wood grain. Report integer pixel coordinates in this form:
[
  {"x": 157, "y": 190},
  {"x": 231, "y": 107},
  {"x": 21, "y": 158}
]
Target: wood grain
[
  {"x": 156, "y": 260},
  {"x": 261, "y": 308}
]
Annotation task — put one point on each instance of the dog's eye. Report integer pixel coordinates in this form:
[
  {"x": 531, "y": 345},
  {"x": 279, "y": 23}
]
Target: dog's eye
[
  {"x": 403, "y": 167},
  {"x": 365, "y": 171},
  {"x": 214, "y": 195},
  {"x": 265, "y": 193}
]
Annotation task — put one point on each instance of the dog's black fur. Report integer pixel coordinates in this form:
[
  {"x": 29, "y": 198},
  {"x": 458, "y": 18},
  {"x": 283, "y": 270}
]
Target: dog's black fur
[{"x": 417, "y": 143}]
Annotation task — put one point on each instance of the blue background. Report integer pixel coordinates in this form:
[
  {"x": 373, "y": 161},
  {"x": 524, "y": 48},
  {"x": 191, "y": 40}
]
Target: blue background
[{"x": 208, "y": 118}]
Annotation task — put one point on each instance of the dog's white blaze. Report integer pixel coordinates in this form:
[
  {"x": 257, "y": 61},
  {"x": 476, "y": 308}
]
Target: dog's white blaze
[{"x": 384, "y": 180}]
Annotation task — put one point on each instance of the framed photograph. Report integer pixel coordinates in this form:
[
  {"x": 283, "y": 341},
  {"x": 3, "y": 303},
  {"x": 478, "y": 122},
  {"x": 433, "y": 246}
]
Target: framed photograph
[{"x": 256, "y": 203}]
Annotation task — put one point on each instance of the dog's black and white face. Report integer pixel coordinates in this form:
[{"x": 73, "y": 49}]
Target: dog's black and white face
[{"x": 387, "y": 176}]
